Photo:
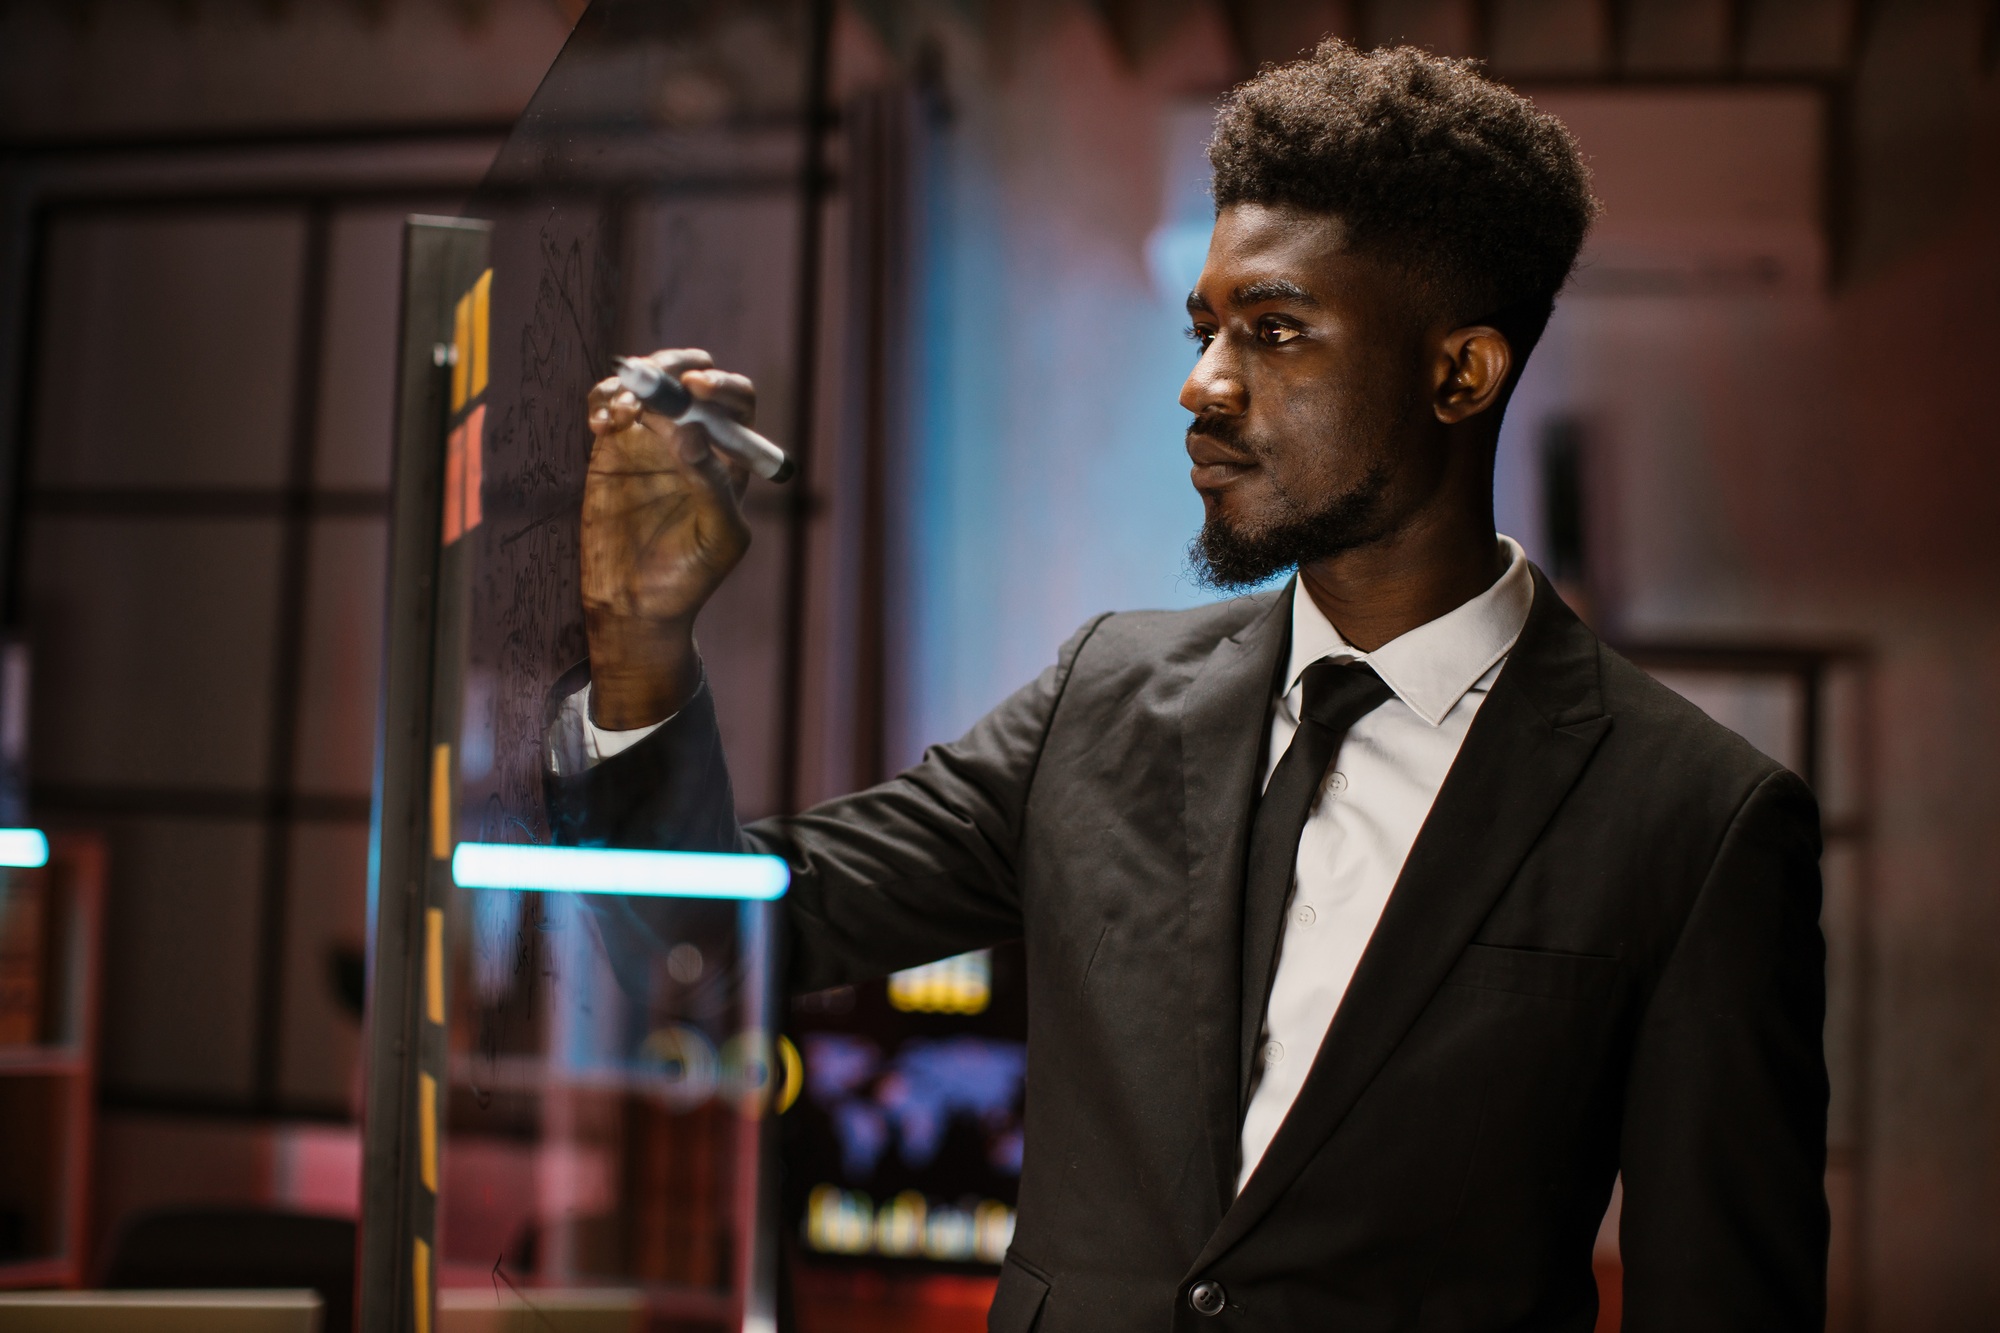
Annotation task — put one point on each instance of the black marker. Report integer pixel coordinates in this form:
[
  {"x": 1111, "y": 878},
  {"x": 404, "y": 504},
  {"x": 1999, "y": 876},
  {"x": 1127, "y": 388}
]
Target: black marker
[{"x": 660, "y": 392}]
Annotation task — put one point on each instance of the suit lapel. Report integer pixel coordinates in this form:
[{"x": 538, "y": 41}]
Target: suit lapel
[
  {"x": 1223, "y": 725},
  {"x": 1527, "y": 746}
]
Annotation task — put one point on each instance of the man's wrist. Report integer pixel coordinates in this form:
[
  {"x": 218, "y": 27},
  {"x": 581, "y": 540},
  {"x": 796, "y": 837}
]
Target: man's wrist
[{"x": 641, "y": 671}]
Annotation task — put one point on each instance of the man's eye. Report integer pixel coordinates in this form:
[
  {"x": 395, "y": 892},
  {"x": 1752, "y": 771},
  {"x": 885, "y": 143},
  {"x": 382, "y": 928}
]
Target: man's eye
[
  {"x": 1200, "y": 337},
  {"x": 1276, "y": 334}
]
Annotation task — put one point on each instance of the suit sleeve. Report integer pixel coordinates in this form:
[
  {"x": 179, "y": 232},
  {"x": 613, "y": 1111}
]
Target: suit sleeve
[
  {"x": 920, "y": 867},
  {"x": 1725, "y": 1221}
]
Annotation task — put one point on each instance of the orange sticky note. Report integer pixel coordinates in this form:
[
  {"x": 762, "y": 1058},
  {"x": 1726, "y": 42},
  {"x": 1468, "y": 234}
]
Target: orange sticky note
[
  {"x": 454, "y": 486},
  {"x": 475, "y": 449}
]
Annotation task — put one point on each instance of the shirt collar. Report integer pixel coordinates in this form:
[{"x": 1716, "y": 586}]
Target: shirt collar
[{"x": 1436, "y": 664}]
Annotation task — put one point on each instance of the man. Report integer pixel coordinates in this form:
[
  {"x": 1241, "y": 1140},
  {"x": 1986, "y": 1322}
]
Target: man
[{"x": 1372, "y": 926}]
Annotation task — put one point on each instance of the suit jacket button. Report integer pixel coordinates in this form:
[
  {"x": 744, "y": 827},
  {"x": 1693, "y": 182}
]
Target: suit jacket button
[{"x": 1207, "y": 1297}]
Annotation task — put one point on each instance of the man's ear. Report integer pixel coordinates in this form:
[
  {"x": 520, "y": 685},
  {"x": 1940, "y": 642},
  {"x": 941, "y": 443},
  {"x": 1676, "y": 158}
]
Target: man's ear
[{"x": 1473, "y": 367}]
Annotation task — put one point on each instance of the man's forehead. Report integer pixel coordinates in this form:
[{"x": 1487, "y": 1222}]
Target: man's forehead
[{"x": 1271, "y": 252}]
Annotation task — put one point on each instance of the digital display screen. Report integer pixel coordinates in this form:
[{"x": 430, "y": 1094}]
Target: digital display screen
[{"x": 905, "y": 1145}]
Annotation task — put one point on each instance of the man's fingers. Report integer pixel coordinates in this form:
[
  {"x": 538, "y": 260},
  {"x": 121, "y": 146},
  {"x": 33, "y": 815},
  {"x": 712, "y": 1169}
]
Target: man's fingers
[
  {"x": 733, "y": 393},
  {"x": 739, "y": 474},
  {"x": 612, "y": 408},
  {"x": 719, "y": 474},
  {"x": 680, "y": 360}
]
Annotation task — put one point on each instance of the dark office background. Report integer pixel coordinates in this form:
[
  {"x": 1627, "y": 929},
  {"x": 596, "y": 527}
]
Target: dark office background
[{"x": 1758, "y": 435}]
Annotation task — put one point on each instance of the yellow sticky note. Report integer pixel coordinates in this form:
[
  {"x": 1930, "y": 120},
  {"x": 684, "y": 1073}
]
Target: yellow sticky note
[
  {"x": 441, "y": 803},
  {"x": 420, "y": 1285},
  {"x": 427, "y": 1129},
  {"x": 482, "y": 310},
  {"x": 434, "y": 965},
  {"x": 461, "y": 344}
]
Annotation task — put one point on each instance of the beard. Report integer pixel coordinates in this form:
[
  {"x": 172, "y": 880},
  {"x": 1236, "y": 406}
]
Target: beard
[{"x": 1228, "y": 557}]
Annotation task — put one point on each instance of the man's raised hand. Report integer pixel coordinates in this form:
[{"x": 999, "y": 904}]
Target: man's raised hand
[{"x": 662, "y": 527}]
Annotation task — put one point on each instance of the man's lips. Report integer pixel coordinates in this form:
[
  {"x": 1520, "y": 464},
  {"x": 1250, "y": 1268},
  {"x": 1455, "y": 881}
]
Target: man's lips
[{"x": 1215, "y": 463}]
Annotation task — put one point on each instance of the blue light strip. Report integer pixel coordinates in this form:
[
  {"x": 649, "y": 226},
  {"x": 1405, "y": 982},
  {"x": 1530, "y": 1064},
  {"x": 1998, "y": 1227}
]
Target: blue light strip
[
  {"x": 24, "y": 848},
  {"x": 491, "y": 865}
]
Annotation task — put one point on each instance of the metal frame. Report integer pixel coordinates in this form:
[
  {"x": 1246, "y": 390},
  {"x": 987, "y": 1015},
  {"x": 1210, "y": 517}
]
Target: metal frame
[{"x": 406, "y": 1034}]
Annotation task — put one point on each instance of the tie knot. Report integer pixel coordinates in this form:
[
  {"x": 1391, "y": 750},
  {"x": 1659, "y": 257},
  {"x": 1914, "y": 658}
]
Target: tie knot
[{"x": 1338, "y": 694}]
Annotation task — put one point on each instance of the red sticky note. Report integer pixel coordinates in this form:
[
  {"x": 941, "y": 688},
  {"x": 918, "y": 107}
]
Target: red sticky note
[
  {"x": 454, "y": 486},
  {"x": 475, "y": 449}
]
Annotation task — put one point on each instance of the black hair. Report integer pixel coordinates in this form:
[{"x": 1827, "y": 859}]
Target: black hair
[{"x": 1459, "y": 181}]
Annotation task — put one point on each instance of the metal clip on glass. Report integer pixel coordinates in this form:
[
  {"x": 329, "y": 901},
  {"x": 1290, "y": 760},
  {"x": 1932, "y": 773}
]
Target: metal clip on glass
[{"x": 660, "y": 392}]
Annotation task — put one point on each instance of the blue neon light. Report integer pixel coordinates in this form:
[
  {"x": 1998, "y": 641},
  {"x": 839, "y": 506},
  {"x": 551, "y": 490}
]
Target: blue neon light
[
  {"x": 24, "y": 848},
  {"x": 491, "y": 865}
]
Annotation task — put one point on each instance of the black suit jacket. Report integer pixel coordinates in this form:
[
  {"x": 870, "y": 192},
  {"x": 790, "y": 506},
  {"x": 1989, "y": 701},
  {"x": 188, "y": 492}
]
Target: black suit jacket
[{"x": 1603, "y": 954}]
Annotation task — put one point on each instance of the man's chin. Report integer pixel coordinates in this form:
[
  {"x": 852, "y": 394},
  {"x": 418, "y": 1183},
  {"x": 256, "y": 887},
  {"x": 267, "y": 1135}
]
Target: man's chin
[{"x": 1225, "y": 559}]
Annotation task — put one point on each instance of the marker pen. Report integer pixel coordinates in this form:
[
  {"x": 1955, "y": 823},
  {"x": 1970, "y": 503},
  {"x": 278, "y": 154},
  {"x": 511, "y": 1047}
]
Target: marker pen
[{"x": 660, "y": 392}]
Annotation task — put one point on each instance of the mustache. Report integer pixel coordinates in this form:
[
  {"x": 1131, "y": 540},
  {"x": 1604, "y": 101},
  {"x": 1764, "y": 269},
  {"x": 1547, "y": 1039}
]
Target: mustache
[{"x": 1224, "y": 430}]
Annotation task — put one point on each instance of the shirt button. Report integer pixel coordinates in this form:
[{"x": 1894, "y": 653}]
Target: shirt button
[
  {"x": 1274, "y": 1054},
  {"x": 1305, "y": 916},
  {"x": 1207, "y": 1297},
  {"x": 1337, "y": 783}
]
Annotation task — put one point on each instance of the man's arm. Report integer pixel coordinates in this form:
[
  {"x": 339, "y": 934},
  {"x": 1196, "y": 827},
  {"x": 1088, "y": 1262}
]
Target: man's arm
[
  {"x": 1724, "y": 1147},
  {"x": 918, "y": 868},
  {"x": 915, "y": 869}
]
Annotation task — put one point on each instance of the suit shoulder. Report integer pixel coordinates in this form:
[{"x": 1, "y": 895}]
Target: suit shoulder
[
  {"x": 1675, "y": 735},
  {"x": 1124, "y": 639}
]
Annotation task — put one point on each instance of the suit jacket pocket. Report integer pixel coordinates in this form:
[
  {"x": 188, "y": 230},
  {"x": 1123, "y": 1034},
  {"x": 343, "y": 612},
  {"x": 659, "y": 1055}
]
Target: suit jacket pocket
[
  {"x": 1560, "y": 976},
  {"x": 1017, "y": 1303}
]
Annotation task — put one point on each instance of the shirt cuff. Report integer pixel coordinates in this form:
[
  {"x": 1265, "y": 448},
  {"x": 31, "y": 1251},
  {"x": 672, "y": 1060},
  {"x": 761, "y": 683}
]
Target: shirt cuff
[{"x": 577, "y": 744}]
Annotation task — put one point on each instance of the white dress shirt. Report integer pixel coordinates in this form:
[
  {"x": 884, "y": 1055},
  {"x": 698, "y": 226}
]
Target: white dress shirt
[
  {"x": 576, "y": 743},
  {"x": 1377, "y": 793}
]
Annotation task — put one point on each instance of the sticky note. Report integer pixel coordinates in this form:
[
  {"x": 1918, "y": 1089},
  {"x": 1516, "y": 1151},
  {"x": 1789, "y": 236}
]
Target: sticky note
[
  {"x": 420, "y": 1285},
  {"x": 454, "y": 485},
  {"x": 427, "y": 1130},
  {"x": 461, "y": 346},
  {"x": 482, "y": 309},
  {"x": 441, "y": 839},
  {"x": 474, "y": 452},
  {"x": 434, "y": 965}
]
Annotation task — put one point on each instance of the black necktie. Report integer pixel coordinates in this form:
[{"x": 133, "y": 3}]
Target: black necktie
[{"x": 1337, "y": 695}]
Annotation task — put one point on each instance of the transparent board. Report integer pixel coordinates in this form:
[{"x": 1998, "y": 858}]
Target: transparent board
[{"x": 578, "y": 1116}]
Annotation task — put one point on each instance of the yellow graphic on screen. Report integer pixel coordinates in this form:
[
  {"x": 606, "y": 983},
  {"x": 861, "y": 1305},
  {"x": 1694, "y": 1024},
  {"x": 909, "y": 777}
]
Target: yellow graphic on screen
[
  {"x": 795, "y": 1074},
  {"x": 908, "y": 1226},
  {"x": 961, "y": 985}
]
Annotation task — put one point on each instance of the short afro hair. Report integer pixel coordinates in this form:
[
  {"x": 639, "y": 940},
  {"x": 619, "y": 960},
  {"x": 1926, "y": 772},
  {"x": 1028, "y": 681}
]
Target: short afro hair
[{"x": 1457, "y": 180}]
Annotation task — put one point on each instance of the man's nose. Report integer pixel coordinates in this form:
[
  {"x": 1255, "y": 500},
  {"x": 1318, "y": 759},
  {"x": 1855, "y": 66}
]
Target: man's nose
[{"x": 1214, "y": 385}]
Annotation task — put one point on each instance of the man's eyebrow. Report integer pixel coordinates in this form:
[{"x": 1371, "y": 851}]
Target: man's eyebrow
[
  {"x": 1272, "y": 289},
  {"x": 1197, "y": 304}
]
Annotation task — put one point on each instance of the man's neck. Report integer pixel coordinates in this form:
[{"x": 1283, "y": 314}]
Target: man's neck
[{"x": 1382, "y": 591}]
